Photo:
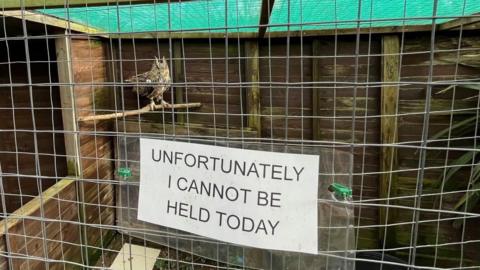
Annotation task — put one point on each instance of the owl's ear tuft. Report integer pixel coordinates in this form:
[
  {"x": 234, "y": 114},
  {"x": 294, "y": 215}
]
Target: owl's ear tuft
[
  {"x": 157, "y": 62},
  {"x": 164, "y": 62}
]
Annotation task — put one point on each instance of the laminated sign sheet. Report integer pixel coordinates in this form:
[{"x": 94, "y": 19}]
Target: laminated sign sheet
[{"x": 254, "y": 198}]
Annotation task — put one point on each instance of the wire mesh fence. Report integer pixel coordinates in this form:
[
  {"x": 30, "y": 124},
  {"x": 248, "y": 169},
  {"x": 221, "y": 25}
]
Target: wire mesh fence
[{"x": 385, "y": 93}]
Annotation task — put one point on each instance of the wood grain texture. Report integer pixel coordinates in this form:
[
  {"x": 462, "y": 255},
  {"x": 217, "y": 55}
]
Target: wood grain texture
[
  {"x": 288, "y": 105},
  {"x": 67, "y": 98},
  {"x": 389, "y": 126},
  {"x": 27, "y": 234},
  {"x": 315, "y": 91},
  {"x": 90, "y": 63},
  {"x": 178, "y": 77},
  {"x": 449, "y": 65},
  {"x": 209, "y": 69},
  {"x": 338, "y": 102},
  {"x": 19, "y": 128},
  {"x": 50, "y": 21},
  {"x": 252, "y": 70}
]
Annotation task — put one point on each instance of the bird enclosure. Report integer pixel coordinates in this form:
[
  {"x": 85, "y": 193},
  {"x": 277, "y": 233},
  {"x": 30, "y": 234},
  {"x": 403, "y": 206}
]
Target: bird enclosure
[{"x": 384, "y": 93}]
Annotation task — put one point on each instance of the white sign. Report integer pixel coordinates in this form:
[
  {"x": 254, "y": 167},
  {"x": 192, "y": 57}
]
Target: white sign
[{"x": 253, "y": 198}]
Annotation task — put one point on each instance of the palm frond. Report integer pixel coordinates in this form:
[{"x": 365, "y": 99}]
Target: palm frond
[{"x": 459, "y": 128}]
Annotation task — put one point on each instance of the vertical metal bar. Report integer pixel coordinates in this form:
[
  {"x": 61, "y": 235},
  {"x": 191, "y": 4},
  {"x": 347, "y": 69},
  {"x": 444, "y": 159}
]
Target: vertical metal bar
[{"x": 423, "y": 145}]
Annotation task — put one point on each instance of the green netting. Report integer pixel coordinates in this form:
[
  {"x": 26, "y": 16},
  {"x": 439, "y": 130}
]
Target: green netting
[
  {"x": 201, "y": 16},
  {"x": 243, "y": 15},
  {"x": 331, "y": 14}
]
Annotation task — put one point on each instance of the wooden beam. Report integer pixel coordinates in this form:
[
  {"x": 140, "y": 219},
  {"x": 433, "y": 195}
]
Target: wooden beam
[
  {"x": 69, "y": 118},
  {"x": 67, "y": 99},
  {"x": 469, "y": 23},
  {"x": 389, "y": 121},
  {"x": 50, "y": 21},
  {"x": 34, "y": 205},
  {"x": 275, "y": 34},
  {"x": 190, "y": 129},
  {"x": 352, "y": 31},
  {"x": 252, "y": 74},
  {"x": 34, "y": 4},
  {"x": 179, "y": 35},
  {"x": 145, "y": 109},
  {"x": 178, "y": 77},
  {"x": 21, "y": 234},
  {"x": 315, "y": 91},
  {"x": 265, "y": 11},
  {"x": 456, "y": 23},
  {"x": 4, "y": 261}
]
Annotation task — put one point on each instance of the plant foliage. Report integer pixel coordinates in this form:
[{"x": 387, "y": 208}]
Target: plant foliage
[{"x": 470, "y": 159}]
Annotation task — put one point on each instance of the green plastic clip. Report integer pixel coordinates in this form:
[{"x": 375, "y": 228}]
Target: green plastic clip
[
  {"x": 340, "y": 190},
  {"x": 124, "y": 172}
]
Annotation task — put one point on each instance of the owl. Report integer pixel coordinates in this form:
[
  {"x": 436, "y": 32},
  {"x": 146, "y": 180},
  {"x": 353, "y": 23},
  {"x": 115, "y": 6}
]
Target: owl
[{"x": 153, "y": 83}]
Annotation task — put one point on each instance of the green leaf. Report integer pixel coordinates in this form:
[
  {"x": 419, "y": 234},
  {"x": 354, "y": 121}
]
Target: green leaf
[
  {"x": 475, "y": 173},
  {"x": 456, "y": 166},
  {"x": 461, "y": 127},
  {"x": 468, "y": 196},
  {"x": 448, "y": 88},
  {"x": 466, "y": 204},
  {"x": 475, "y": 86}
]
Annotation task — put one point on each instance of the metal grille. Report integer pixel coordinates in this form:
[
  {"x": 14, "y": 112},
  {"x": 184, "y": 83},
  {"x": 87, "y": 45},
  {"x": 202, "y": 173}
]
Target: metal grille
[{"x": 385, "y": 92}]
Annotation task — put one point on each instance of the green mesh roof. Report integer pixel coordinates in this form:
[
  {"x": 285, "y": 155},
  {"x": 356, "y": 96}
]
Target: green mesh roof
[{"x": 243, "y": 15}]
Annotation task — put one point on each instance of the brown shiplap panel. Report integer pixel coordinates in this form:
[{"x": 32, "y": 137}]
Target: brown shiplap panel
[
  {"x": 90, "y": 64},
  {"x": 274, "y": 70},
  {"x": 25, "y": 235},
  {"x": 19, "y": 116},
  {"x": 415, "y": 67},
  {"x": 201, "y": 73},
  {"x": 337, "y": 97}
]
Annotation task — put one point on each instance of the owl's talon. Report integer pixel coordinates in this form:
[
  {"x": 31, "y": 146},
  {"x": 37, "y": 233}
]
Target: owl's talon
[
  {"x": 152, "y": 105},
  {"x": 164, "y": 103}
]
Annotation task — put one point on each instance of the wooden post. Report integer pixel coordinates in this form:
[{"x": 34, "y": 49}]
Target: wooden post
[
  {"x": 265, "y": 11},
  {"x": 69, "y": 118},
  {"x": 389, "y": 104},
  {"x": 252, "y": 73},
  {"x": 315, "y": 91},
  {"x": 178, "y": 77},
  {"x": 254, "y": 257},
  {"x": 65, "y": 76}
]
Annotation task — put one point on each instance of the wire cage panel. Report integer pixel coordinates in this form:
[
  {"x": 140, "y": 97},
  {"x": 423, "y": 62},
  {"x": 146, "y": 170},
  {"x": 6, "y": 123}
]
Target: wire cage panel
[{"x": 386, "y": 91}]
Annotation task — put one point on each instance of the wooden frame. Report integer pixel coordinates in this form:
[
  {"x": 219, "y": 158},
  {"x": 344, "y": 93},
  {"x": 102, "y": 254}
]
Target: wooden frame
[
  {"x": 67, "y": 99},
  {"x": 315, "y": 91},
  {"x": 267, "y": 6},
  {"x": 279, "y": 34},
  {"x": 178, "y": 76},
  {"x": 180, "y": 35},
  {"x": 389, "y": 124},
  {"x": 50, "y": 21},
  {"x": 34, "y": 228},
  {"x": 468, "y": 23},
  {"x": 252, "y": 74}
]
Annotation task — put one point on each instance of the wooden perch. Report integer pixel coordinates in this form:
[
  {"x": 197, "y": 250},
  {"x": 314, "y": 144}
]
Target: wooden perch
[{"x": 143, "y": 110}]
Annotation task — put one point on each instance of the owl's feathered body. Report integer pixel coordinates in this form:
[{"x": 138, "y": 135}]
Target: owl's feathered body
[{"x": 153, "y": 83}]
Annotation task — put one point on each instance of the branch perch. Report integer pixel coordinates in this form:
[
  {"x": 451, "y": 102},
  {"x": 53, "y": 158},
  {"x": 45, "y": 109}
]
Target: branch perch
[{"x": 143, "y": 110}]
